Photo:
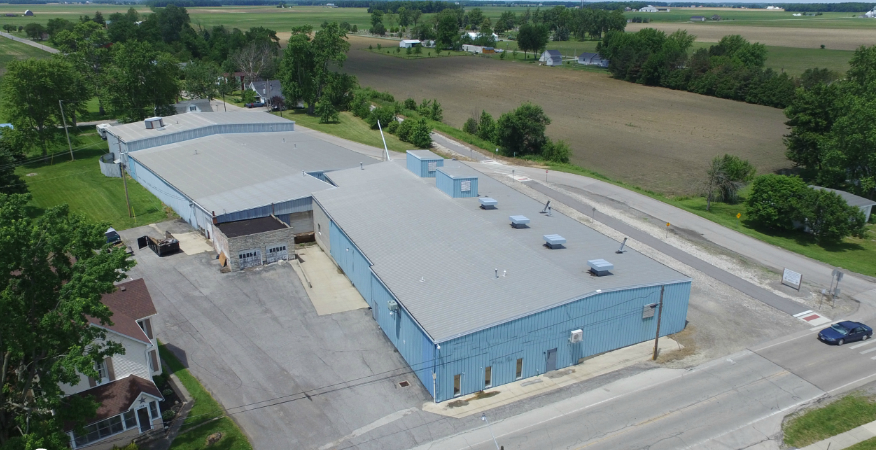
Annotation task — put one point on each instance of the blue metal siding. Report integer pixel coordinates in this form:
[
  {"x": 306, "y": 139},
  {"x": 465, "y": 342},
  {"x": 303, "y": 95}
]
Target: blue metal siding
[
  {"x": 351, "y": 261},
  {"x": 287, "y": 207},
  {"x": 453, "y": 186},
  {"x": 421, "y": 166},
  {"x": 168, "y": 194},
  {"x": 610, "y": 320},
  {"x": 208, "y": 130},
  {"x": 414, "y": 346}
]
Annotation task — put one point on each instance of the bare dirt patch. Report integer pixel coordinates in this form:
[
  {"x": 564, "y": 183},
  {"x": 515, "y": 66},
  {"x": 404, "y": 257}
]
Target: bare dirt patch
[
  {"x": 655, "y": 138},
  {"x": 833, "y": 38}
]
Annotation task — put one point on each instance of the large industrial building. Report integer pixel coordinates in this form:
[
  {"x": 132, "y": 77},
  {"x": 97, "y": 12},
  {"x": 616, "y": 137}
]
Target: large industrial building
[
  {"x": 472, "y": 301},
  {"x": 476, "y": 284}
]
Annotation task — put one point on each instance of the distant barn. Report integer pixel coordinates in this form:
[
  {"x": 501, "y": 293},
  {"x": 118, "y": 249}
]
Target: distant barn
[{"x": 28, "y": 13}]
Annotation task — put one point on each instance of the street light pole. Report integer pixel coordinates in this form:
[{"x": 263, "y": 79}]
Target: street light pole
[
  {"x": 484, "y": 418},
  {"x": 64, "y": 118}
]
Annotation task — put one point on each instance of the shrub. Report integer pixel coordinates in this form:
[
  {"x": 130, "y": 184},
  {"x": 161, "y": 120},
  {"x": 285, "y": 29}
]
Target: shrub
[
  {"x": 522, "y": 131},
  {"x": 409, "y": 51},
  {"x": 556, "y": 151},
  {"x": 425, "y": 107},
  {"x": 248, "y": 96},
  {"x": 419, "y": 134},
  {"x": 383, "y": 114},
  {"x": 487, "y": 127},
  {"x": 378, "y": 47},
  {"x": 355, "y": 29},
  {"x": 404, "y": 129},
  {"x": 167, "y": 392},
  {"x": 828, "y": 217},
  {"x": 471, "y": 126},
  {"x": 410, "y": 104},
  {"x": 771, "y": 202},
  {"x": 167, "y": 415},
  {"x": 327, "y": 112},
  {"x": 370, "y": 47},
  {"x": 392, "y": 128},
  {"x": 435, "y": 111},
  {"x": 360, "y": 106}
]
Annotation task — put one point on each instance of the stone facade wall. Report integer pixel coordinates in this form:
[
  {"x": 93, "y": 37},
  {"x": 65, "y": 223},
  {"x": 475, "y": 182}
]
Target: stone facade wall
[{"x": 258, "y": 241}]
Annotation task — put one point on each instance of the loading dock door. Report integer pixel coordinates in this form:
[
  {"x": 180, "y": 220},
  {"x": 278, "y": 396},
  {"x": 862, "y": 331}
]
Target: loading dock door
[
  {"x": 249, "y": 258},
  {"x": 277, "y": 252},
  {"x": 551, "y": 363}
]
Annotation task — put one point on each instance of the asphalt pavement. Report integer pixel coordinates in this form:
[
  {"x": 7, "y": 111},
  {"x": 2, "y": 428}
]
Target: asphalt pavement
[{"x": 30, "y": 42}]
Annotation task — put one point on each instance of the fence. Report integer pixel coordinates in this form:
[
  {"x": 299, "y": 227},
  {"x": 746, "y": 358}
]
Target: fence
[{"x": 109, "y": 167}]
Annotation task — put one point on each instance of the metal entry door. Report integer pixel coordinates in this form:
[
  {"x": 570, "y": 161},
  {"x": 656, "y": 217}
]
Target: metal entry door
[
  {"x": 277, "y": 252},
  {"x": 249, "y": 258},
  {"x": 551, "y": 363}
]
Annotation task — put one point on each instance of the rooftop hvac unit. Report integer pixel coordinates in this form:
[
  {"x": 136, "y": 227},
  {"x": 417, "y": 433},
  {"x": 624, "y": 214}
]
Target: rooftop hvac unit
[
  {"x": 154, "y": 123},
  {"x": 519, "y": 221},
  {"x": 554, "y": 241},
  {"x": 600, "y": 267},
  {"x": 488, "y": 203},
  {"x": 576, "y": 336}
]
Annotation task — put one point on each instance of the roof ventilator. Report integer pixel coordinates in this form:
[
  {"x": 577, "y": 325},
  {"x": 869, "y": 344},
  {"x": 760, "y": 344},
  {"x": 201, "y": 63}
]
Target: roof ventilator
[
  {"x": 600, "y": 267},
  {"x": 153, "y": 123},
  {"x": 553, "y": 241},
  {"x": 488, "y": 203},
  {"x": 519, "y": 222}
]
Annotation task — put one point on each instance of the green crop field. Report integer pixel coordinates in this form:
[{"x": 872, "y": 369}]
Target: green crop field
[{"x": 761, "y": 18}]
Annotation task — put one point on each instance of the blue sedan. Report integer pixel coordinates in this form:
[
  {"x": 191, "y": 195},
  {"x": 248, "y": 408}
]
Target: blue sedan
[{"x": 842, "y": 332}]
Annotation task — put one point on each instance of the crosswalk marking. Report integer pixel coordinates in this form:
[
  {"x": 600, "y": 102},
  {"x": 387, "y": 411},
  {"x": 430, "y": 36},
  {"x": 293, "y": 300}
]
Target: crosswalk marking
[
  {"x": 869, "y": 351},
  {"x": 863, "y": 344}
]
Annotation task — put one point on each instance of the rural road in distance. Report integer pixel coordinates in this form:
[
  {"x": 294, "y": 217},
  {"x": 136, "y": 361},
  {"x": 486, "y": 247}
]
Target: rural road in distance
[
  {"x": 734, "y": 402},
  {"x": 768, "y": 255}
]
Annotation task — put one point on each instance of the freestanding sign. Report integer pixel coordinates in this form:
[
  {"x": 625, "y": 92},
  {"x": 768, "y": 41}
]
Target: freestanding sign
[{"x": 792, "y": 279}]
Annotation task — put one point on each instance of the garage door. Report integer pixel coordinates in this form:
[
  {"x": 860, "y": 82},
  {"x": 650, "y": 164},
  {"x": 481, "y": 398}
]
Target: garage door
[
  {"x": 277, "y": 252},
  {"x": 249, "y": 258}
]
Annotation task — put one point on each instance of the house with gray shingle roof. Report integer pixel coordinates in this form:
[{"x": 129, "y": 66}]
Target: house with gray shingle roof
[
  {"x": 551, "y": 58},
  {"x": 865, "y": 204}
]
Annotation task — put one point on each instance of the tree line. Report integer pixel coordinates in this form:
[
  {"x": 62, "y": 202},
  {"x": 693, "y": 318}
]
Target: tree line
[
  {"x": 519, "y": 133},
  {"x": 827, "y": 7},
  {"x": 732, "y": 69}
]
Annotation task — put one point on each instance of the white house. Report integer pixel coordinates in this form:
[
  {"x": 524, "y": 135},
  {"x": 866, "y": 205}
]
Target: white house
[
  {"x": 128, "y": 397},
  {"x": 409, "y": 43},
  {"x": 869, "y": 14},
  {"x": 476, "y": 34},
  {"x": 592, "y": 59},
  {"x": 864, "y": 204},
  {"x": 551, "y": 58},
  {"x": 648, "y": 8},
  {"x": 698, "y": 19},
  {"x": 478, "y": 49}
]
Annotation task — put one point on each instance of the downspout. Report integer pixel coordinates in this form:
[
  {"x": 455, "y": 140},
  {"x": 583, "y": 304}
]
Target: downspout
[{"x": 435, "y": 373}]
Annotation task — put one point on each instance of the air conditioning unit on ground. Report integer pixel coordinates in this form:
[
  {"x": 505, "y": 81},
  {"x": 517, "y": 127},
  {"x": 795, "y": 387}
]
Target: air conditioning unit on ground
[{"x": 576, "y": 336}]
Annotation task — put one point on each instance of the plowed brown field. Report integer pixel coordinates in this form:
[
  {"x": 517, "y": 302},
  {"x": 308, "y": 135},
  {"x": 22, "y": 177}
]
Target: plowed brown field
[{"x": 654, "y": 138}]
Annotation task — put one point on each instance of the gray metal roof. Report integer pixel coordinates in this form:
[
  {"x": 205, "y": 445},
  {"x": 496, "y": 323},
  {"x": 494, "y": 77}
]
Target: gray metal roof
[
  {"x": 851, "y": 199},
  {"x": 184, "y": 122},
  {"x": 424, "y": 154},
  {"x": 410, "y": 231},
  {"x": 456, "y": 172},
  {"x": 235, "y": 172}
]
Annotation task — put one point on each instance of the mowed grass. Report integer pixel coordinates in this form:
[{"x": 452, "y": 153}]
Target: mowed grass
[
  {"x": 869, "y": 444},
  {"x": 14, "y": 51},
  {"x": 204, "y": 409},
  {"x": 81, "y": 185},
  {"x": 350, "y": 127},
  {"x": 795, "y": 61},
  {"x": 838, "y": 417}
]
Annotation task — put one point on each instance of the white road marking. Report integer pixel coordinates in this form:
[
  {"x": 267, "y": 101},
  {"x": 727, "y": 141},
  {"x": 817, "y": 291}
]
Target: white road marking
[
  {"x": 863, "y": 344},
  {"x": 371, "y": 426},
  {"x": 853, "y": 382},
  {"x": 869, "y": 351},
  {"x": 785, "y": 341}
]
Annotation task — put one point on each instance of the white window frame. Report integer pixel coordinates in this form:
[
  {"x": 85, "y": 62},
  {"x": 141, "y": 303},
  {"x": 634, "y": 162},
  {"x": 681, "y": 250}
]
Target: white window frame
[{"x": 102, "y": 373}]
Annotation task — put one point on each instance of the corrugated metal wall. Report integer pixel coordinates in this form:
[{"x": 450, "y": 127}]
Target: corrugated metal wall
[
  {"x": 322, "y": 227},
  {"x": 289, "y": 207},
  {"x": 209, "y": 130},
  {"x": 421, "y": 166},
  {"x": 454, "y": 187},
  {"x": 407, "y": 336},
  {"x": 163, "y": 190},
  {"x": 610, "y": 320}
]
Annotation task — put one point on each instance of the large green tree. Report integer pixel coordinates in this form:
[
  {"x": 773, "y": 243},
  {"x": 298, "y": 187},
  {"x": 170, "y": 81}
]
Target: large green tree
[
  {"x": 521, "y": 132},
  {"x": 310, "y": 65},
  {"x": 201, "y": 79},
  {"x": 55, "y": 269},
  {"x": 30, "y": 95},
  {"x": 532, "y": 38},
  {"x": 141, "y": 82},
  {"x": 87, "y": 48},
  {"x": 772, "y": 202},
  {"x": 447, "y": 29}
]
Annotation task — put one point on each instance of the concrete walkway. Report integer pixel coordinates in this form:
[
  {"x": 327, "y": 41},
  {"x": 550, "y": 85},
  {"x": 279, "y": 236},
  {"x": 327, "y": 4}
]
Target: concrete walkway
[
  {"x": 30, "y": 43},
  {"x": 847, "y": 439}
]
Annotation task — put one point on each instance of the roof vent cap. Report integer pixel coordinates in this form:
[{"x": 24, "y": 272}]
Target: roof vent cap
[
  {"x": 519, "y": 221},
  {"x": 553, "y": 241},
  {"x": 488, "y": 203},
  {"x": 600, "y": 267}
]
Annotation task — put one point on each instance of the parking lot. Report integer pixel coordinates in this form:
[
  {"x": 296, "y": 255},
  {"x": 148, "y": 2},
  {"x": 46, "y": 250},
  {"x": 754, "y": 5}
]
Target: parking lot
[{"x": 294, "y": 379}]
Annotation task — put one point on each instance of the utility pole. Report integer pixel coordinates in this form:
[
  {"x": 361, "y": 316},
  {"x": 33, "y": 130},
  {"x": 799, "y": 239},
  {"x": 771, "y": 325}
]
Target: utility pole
[
  {"x": 61, "y": 103},
  {"x": 125, "y": 182},
  {"x": 659, "y": 316}
]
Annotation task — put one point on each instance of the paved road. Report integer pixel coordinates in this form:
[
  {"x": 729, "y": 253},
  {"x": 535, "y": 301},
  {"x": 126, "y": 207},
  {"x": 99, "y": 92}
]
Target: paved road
[
  {"x": 862, "y": 288},
  {"x": 735, "y": 402},
  {"x": 29, "y": 42}
]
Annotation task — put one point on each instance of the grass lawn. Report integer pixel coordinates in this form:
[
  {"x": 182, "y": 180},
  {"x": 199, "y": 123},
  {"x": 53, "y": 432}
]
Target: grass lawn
[
  {"x": 350, "y": 127},
  {"x": 203, "y": 409},
  {"x": 232, "y": 437},
  {"x": 869, "y": 444},
  {"x": 838, "y": 417},
  {"x": 80, "y": 184},
  {"x": 795, "y": 61},
  {"x": 12, "y": 51}
]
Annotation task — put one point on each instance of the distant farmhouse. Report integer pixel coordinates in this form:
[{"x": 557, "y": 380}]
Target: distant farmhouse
[
  {"x": 551, "y": 58},
  {"x": 592, "y": 59},
  {"x": 697, "y": 19},
  {"x": 653, "y": 9},
  {"x": 410, "y": 43},
  {"x": 870, "y": 14}
]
